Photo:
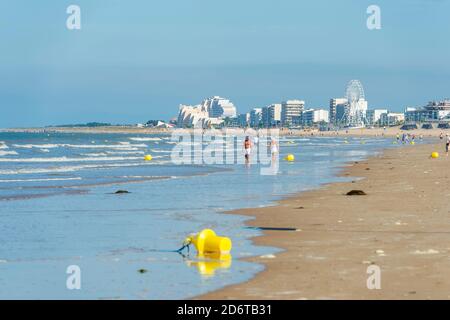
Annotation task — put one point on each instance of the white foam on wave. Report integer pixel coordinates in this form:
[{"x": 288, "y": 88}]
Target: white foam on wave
[
  {"x": 7, "y": 153},
  {"x": 66, "y": 168},
  {"x": 125, "y": 152},
  {"x": 40, "y": 180},
  {"x": 65, "y": 159},
  {"x": 101, "y": 154},
  {"x": 144, "y": 139},
  {"x": 3, "y": 145},
  {"x": 160, "y": 151},
  {"x": 125, "y": 145}
]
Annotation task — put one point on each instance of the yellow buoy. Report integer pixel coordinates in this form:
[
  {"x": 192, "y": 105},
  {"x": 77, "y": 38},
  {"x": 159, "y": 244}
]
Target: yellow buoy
[
  {"x": 435, "y": 155},
  {"x": 148, "y": 157},
  {"x": 413, "y": 143},
  {"x": 290, "y": 157},
  {"x": 208, "y": 242}
]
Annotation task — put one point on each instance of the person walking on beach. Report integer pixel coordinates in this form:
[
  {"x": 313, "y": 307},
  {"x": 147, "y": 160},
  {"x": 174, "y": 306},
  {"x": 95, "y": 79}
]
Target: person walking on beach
[
  {"x": 247, "y": 148},
  {"x": 447, "y": 143}
]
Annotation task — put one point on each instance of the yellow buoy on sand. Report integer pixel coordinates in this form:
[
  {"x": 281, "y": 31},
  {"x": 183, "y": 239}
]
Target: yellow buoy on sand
[
  {"x": 413, "y": 143},
  {"x": 435, "y": 155},
  {"x": 148, "y": 157},
  {"x": 290, "y": 157},
  {"x": 207, "y": 241}
]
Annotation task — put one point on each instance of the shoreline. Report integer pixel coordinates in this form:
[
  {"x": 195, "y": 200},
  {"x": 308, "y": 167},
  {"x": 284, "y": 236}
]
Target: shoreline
[
  {"x": 340, "y": 236},
  {"x": 366, "y": 132}
]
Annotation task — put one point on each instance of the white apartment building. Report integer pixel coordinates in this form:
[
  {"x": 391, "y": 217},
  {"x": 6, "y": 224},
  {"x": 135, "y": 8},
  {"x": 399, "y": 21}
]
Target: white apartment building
[
  {"x": 255, "y": 117},
  {"x": 336, "y": 103},
  {"x": 373, "y": 116},
  {"x": 312, "y": 116},
  {"x": 271, "y": 115},
  {"x": 391, "y": 118},
  {"x": 291, "y": 111},
  {"x": 210, "y": 112}
]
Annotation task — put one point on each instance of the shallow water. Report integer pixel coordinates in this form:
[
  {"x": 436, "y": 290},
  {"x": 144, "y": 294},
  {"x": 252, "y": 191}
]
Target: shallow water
[{"x": 58, "y": 208}]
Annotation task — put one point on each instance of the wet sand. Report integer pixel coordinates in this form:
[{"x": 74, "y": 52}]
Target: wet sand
[{"x": 402, "y": 225}]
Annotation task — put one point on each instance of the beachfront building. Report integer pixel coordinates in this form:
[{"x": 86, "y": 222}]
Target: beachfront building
[
  {"x": 271, "y": 115},
  {"x": 391, "y": 118},
  {"x": 244, "y": 120},
  {"x": 314, "y": 116},
  {"x": 191, "y": 116},
  {"x": 291, "y": 111},
  {"x": 255, "y": 117},
  {"x": 433, "y": 111},
  {"x": 220, "y": 107},
  {"x": 336, "y": 103},
  {"x": 373, "y": 116},
  {"x": 211, "y": 112}
]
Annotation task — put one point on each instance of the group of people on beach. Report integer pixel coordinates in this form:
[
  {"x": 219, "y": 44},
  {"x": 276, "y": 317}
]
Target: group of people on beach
[{"x": 249, "y": 143}]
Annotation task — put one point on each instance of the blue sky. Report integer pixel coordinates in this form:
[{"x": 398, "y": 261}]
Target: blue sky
[{"x": 138, "y": 60}]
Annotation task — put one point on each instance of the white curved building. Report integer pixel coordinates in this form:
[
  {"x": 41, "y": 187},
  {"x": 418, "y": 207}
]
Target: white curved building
[{"x": 210, "y": 112}]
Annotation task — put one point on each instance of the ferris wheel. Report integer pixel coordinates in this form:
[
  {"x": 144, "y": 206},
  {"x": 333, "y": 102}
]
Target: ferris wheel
[{"x": 354, "y": 115}]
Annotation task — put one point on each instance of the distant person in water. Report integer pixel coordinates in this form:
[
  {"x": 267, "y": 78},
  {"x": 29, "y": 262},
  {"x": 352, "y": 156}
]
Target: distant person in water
[
  {"x": 273, "y": 149},
  {"x": 247, "y": 148},
  {"x": 447, "y": 143}
]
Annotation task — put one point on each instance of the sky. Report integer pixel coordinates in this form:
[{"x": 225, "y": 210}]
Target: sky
[{"x": 137, "y": 60}]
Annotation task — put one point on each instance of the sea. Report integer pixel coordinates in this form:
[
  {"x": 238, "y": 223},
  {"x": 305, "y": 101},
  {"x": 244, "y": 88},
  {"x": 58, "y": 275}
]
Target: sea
[{"x": 66, "y": 234}]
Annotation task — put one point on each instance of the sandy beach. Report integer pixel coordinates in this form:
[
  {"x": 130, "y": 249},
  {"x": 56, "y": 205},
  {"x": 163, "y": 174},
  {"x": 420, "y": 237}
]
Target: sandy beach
[
  {"x": 402, "y": 225},
  {"x": 366, "y": 132}
]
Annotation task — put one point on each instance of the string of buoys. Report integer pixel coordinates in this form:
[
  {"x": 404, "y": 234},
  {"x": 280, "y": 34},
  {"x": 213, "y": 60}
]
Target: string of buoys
[{"x": 148, "y": 157}]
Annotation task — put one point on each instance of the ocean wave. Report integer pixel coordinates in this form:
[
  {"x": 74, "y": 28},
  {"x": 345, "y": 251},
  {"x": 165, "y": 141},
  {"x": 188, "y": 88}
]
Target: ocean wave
[
  {"x": 106, "y": 153},
  {"x": 40, "y": 180},
  {"x": 125, "y": 152},
  {"x": 145, "y": 139},
  {"x": 3, "y": 145},
  {"x": 125, "y": 146},
  {"x": 65, "y": 159},
  {"x": 7, "y": 153},
  {"x": 101, "y": 154},
  {"x": 160, "y": 151},
  {"x": 66, "y": 168}
]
